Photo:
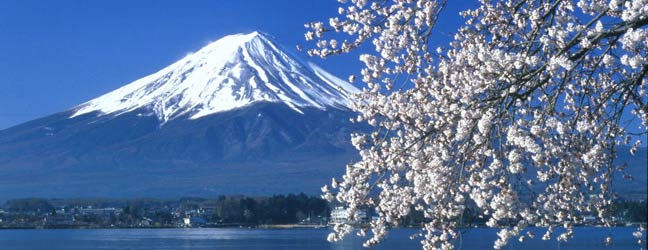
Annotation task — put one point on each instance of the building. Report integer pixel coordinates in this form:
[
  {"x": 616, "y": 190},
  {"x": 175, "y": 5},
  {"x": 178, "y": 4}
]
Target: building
[
  {"x": 339, "y": 215},
  {"x": 59, "y": 220},
  {"x": 100, "y": 211},
  {"x": 194, "y": 221}
]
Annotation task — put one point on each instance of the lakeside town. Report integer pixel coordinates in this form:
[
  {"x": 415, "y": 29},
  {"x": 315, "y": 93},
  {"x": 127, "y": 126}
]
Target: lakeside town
[{"x": 224, "y": 211}]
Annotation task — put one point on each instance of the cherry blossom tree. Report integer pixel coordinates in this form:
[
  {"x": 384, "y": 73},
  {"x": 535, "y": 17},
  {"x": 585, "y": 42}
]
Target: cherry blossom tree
[{"x": 519, "y": 116}]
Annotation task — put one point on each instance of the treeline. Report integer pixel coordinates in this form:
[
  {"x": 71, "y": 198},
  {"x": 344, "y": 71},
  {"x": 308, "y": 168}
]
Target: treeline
[
  {"x": 233, "y": 210},
  {"x": 624, "y": 211},
  {"x": 276, "y": 209},
  {"x": 631, "y": 211},
  {"x": 28, "y": 205}
]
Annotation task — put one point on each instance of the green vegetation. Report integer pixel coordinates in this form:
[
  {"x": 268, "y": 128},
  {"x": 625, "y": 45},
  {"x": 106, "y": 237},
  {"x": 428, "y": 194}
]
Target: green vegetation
[
  {"x": 631, "y": 211},
  {"x": 188, "y": 211},
  {"x": 28, "y": 205},
  {"x": 220, "y": 211}
]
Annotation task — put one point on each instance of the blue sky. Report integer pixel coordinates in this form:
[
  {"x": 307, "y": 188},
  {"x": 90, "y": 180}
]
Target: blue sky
[{"x": 57, "y": 54}]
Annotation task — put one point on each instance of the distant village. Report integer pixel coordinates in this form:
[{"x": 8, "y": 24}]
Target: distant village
[{"x": 225, "y": 211}]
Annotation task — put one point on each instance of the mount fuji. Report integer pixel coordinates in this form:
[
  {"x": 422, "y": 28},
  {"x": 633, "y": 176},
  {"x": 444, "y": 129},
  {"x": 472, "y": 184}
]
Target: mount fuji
[
  {"x": 239, "y": 116},
  {"x": 231, "y": 73}
]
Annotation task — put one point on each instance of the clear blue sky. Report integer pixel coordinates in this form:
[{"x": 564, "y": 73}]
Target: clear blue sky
[{"x": 57, "y": 54}]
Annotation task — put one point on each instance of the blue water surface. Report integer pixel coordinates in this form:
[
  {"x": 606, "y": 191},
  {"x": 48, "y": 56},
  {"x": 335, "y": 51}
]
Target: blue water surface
[{"x": 276, "y": 239}]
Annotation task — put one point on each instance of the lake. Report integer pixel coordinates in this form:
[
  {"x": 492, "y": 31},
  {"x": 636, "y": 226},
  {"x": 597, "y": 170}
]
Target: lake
[{"x": 276, "y": 239}]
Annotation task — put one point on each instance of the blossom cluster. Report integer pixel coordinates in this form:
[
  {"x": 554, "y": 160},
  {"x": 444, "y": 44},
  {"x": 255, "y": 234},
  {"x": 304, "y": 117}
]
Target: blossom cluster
[{"x": 519, "y": 116}]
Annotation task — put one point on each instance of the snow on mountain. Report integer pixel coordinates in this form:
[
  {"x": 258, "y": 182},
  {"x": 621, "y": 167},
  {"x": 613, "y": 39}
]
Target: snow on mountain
[{"x": 230, "y": 73}]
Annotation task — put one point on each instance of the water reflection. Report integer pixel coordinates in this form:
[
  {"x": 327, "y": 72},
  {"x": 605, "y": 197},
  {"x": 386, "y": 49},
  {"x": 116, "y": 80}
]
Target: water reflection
[{"x": 311, "y": 239}]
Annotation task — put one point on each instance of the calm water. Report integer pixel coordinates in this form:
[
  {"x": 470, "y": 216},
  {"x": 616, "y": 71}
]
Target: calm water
[{"x": 276, "y": 239}]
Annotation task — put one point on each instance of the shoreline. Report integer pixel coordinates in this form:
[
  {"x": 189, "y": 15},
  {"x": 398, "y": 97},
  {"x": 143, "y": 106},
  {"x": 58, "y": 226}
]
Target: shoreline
[
  {"x": 269, "y": 226},
  {"x": 263, "y": 226}
]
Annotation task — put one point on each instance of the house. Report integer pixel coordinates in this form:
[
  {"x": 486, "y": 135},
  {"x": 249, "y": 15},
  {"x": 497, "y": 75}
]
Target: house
[
  {"x": 339, "y": 215},
  {"x": 194, "y": 221}
]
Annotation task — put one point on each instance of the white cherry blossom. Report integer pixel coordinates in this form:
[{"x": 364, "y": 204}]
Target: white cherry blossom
[{"x": 519, "y": 116}]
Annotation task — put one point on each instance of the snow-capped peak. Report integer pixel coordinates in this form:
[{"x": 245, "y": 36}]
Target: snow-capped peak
[{"x": 235, "y": 71}]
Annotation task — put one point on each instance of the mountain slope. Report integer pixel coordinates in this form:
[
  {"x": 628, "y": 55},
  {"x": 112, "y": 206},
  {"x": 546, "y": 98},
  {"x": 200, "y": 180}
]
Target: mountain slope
[{"x": 247, "y": 151}]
